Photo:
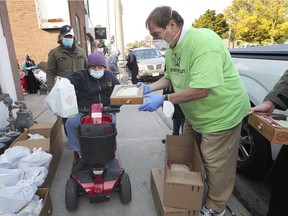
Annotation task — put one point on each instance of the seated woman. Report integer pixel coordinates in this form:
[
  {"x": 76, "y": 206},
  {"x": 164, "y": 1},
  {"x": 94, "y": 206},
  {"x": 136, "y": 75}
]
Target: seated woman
[{"x": 94, "y": 84}]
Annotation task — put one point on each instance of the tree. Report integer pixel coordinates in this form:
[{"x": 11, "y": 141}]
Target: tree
[
  {"x": 260, "y": 21},
  {"x": 212, "y": 21}
]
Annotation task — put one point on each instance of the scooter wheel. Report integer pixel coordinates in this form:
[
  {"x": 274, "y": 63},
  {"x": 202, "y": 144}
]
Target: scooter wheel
[
  {"x": 71, "y": 195},
  {"x": 125, "y": 189}
]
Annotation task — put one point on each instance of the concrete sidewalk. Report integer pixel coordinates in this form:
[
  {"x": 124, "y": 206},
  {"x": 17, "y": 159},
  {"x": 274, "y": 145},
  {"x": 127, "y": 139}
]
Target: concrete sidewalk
[{"x": 140, "y": 149}]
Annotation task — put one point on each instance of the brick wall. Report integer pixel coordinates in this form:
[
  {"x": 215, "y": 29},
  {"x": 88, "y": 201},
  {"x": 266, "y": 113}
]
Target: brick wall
[
  {"x": 77, "y": 9},
  {"x": 29, "y": 39}
]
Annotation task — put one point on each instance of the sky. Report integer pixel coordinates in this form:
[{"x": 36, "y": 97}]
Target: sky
[{"x": 135, "y": 13}]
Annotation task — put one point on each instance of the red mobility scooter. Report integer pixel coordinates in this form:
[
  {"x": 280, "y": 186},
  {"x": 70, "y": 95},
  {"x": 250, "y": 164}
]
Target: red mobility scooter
[{"x": 103, "y": 173}]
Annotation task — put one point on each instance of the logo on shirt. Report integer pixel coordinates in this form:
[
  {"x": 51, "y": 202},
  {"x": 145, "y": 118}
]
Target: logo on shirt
[
  {"x": 176, "y": 60},
  {"x": 176, "y": 65}
]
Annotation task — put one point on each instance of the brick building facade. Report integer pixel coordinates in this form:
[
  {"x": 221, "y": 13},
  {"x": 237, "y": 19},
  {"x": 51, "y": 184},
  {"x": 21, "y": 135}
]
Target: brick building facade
[{"x": 36, "y": 42}]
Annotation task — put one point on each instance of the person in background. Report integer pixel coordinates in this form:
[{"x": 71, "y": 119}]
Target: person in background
[
  {"x": 22, "y": 74},
  {"x": 277, "y": 98},
  {"x": 210, "y": 92},
  {"x": 32, "y": 84},
  {"x": 178, "y": 116},
  {"x": 132, "y": 66},
  {"x": 65, "y": 59},
  {"x": 93, "y": 84},
  {"x": 113, "y": 62}
]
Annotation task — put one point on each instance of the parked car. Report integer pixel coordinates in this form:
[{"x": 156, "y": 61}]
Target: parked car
[
  {"x": 260, "y": 68},
  {"x": 247, "y": 45},
  {"x": 151, "y": 63}
]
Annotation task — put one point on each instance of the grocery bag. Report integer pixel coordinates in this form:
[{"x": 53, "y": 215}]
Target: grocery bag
[
  {"x": 14, "y": 198},
  {"x": 62, "y": 99}
]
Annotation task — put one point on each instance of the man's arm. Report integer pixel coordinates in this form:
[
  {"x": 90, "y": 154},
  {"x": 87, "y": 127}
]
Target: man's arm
[
  {"x": 183, "y": 96},
  {"x": 188, "y": 94},
  {"x": 160, "y": 84},
  {"x": 51, "y": 71}
]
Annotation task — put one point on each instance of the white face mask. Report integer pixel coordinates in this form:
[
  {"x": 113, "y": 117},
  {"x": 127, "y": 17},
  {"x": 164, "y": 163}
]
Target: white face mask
[
  {"x": 161, "y": 44},
  {"x": 96, "y": 74},
  {"x": 100, "y": 49}
]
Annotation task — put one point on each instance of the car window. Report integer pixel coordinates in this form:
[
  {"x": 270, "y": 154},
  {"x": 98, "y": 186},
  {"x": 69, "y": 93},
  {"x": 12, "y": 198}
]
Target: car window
[{"x": 147, "y": 53}]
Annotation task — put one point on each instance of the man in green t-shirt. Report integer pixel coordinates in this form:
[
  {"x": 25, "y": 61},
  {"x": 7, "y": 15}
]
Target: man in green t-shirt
[{"x": 210, "y": 92}]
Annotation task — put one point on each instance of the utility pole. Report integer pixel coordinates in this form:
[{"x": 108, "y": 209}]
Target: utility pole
[
  {"x": 108, "y": 28},
  {"x": 119, "y": 28}
]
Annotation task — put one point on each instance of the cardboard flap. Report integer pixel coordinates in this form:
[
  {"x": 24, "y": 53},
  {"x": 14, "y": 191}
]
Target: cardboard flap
[
  {"x": 183, "y": 149},
  {"x": 186, "y": 178}
]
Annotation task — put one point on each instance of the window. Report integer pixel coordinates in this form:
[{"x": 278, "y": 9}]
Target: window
[{"x": 78, "y": 30}]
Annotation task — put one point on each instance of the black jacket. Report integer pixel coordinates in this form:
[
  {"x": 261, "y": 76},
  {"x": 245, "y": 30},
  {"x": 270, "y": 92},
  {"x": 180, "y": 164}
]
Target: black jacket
[{"x": 90, "y": 89}]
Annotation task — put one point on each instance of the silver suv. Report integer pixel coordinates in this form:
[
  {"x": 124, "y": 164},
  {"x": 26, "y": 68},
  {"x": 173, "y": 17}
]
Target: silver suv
[
  {"x": 151, "y": 63},
  {"x": 260, "y": 68}
]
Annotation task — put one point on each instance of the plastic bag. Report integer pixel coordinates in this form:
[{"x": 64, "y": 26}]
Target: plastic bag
[
  {"x": 62, "y": 99},
  {"x": 35, "y": 136},
  {"x": 10, "y": 177},
  {"x": 36, "y": 174},
  {"x": 12, "y": 155},
  {"x": 30, "y": 207},
  {"x": 38, "y": 158},
  {"x": 20, "y": 195}
]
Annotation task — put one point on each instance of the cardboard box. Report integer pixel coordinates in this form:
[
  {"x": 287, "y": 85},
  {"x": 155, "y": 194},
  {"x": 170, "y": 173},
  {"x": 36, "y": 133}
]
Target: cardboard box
[
  {"x": 23, "y": 139},
  {"x": 157, "y": 178},
  {"x": 268, "y": 127},
  {"x": 183, "y": 189},
  {"x": 53, "y": 145},
  {"x": 56, "y": 149},
  {"x": 127, "y": 94},
  {"x": 44, "y": 193}
]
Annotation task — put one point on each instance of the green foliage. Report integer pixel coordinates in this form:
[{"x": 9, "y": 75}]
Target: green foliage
[
  {"x": 258, "y": 21},
  {"x": 136, "y": 44},
  {"x": 212, "y": 21}
]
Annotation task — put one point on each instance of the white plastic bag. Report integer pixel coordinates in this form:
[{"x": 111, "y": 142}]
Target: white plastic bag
[
  {"x": 36, "y": 174},
  {"x": 12, "y": 155},
  {"x": 35, "y": 136},
  {"x": 14, "y": 198},
  {"x": 38, "y": 158},
  {"x": 29, "y": 208},
  {"x": 10, "y": 177},
  {"x": 62, "y": 99}
]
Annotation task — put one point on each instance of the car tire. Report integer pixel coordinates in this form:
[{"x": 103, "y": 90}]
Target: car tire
[{"x": 254, "y": 151}]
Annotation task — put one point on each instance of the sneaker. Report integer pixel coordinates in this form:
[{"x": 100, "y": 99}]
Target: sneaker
[
  {"x": 205, "y": 211},
  {"x": 78, "y": 166},
  {"x": 78, "y": 163},
  {"x": 75, "y": 158}
]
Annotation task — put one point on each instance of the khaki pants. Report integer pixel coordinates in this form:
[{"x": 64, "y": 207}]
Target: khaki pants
[{"x": 219, "y": 154}]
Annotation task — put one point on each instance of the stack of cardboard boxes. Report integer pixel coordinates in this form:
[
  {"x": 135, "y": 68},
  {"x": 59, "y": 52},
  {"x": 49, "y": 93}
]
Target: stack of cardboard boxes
[
  {"x": 53, "y": 144},
  {"x": 179, "y": 192}
]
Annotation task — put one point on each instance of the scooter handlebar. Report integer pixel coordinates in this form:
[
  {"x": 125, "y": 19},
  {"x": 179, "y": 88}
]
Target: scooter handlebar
[
  {"x": 112, "y": 109},
  {"x": 106, "y": 109}
]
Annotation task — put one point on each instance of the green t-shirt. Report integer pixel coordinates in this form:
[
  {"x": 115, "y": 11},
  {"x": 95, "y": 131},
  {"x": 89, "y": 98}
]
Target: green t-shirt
[{"x": 201, "y": 60}]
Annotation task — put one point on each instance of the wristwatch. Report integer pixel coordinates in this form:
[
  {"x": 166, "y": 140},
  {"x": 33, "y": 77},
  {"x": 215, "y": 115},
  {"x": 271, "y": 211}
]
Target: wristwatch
[{"x": 166, "y": 97}]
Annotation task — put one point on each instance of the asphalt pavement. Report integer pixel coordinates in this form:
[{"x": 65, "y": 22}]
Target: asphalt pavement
[{"x": 139, "y": 147}]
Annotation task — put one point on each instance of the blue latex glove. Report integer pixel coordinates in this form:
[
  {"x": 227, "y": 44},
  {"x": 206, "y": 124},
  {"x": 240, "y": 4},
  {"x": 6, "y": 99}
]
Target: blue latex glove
[
  {"x": 152, "y": 104},
  {"x": 146, "y": 88}
]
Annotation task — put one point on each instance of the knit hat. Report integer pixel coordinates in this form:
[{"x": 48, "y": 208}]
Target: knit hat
[
  {"x": 66, "y": 30},
  {"x": 96, "y": 59}
]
